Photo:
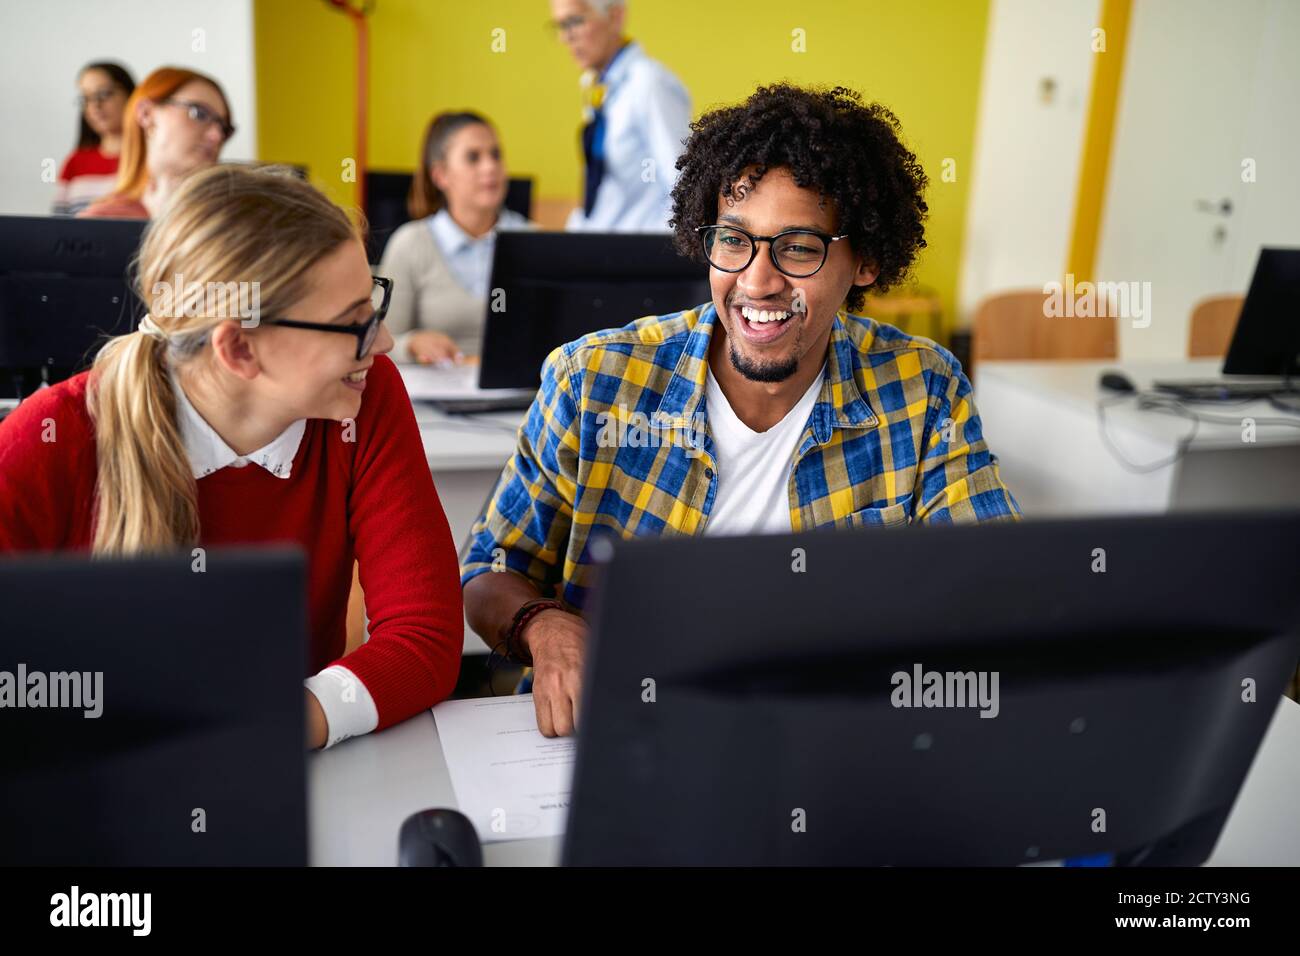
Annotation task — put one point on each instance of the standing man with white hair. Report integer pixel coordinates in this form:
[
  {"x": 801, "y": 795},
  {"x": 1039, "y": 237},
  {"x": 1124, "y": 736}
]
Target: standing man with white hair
[{"x": 636, "y": 118}]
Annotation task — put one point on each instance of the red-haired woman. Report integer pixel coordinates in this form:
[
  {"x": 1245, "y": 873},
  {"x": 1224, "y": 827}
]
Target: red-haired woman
[{"x": 177, "y": 120}]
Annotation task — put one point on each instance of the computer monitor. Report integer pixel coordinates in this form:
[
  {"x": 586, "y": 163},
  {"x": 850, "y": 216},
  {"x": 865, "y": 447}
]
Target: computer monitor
[
  {"x": 385, "y": 210},
  {"x": 63, "y": 289},
  {"x": 549, "y": 288},
  {"x": 386, "y": 193},
  {"x": 519, "y": 196},
  {"x": 1267, "y": 338},
  {"x": 743, "y": 701},
  {"x": 196, "y": 754}
]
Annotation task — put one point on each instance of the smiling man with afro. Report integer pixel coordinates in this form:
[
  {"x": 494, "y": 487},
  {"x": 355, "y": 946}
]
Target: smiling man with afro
[
  {"x": 774, "y": 407},
  {"x": 848, "y": 152}
]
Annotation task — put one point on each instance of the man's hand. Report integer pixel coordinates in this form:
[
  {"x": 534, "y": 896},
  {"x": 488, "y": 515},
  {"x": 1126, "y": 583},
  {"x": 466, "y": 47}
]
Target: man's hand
[
  {"x": 429, "y": 347},
  {"x": 557, "y": 641}
]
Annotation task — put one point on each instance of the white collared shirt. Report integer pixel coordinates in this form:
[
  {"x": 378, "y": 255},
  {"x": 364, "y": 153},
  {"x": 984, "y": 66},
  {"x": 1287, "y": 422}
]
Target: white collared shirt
[
  {"x": 208, "y": 451},
  {"x": 470, "y": 259},
  {"x": 349, "y": 708},
  {"x": 647, "y": 115}
]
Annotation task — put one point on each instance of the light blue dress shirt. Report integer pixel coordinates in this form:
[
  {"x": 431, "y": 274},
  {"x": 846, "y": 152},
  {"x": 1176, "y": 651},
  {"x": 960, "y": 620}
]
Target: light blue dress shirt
[
  {"x": 470, "y": 259},
  {"x": 647, "y": 114}
]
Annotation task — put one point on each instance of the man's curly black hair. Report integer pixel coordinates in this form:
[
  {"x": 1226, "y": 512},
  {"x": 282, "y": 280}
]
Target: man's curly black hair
[{"x": 830, "y": 141}]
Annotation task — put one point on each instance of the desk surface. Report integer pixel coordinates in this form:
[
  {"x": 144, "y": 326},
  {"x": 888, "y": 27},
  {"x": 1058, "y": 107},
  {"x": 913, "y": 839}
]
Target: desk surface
[
  {"x": 360, "y": 792},
  {"x": 467, "y": 442},
  {"x": 1074, "y": 387},
  {"x": 486, "y": 441},
  {"x": 466, "y": 454},
  {"x": 1061, "y": 457}
]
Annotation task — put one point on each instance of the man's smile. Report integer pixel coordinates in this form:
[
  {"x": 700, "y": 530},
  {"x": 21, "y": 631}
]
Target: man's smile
[{"x": 763, "y": 324}]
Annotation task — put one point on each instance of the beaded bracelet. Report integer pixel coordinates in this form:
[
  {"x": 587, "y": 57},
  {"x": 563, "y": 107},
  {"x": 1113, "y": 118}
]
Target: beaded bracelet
[{"x": 527, "y": 611}]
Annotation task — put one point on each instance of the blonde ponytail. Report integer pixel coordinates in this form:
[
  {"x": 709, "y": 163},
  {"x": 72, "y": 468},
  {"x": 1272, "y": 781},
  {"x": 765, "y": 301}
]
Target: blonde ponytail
[
  {"x": 146, "y": 500},
  {"x": 225, "y": 224}
]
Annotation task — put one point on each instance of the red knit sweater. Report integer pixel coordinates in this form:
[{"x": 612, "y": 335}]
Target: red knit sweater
[{"x": 372, "y": 499}]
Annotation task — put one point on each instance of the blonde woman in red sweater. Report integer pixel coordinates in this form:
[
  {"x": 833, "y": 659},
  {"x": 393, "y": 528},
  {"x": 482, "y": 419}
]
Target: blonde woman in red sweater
[{"x": 268, "y": 415}]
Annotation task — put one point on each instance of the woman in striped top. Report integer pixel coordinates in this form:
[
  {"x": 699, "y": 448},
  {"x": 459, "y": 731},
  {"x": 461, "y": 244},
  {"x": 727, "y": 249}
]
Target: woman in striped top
[{"x": 90, "y": 171}]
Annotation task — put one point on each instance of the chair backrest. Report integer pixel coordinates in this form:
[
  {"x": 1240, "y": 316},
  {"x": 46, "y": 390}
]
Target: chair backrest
[
  {"x": 917, "y": 311},
  {"x": 552, "y": 214},
  {"x": 1012, "y": 325},
  {"x": 1213, "y": 322}
]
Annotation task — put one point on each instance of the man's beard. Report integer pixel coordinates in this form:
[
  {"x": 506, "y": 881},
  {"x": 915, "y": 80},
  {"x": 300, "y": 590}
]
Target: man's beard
[
  {"x": 766, "y": 371},
  {"x": 762, "y": 372}
]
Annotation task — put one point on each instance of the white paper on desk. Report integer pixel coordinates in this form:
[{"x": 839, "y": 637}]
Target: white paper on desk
[
  {"x": 432, "y": 383},
  {"x": 510, "y": 781}
]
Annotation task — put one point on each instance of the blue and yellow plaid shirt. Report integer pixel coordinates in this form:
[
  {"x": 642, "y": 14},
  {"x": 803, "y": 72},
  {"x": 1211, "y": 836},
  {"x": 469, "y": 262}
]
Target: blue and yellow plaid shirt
[{"x": 617, "y": 442}]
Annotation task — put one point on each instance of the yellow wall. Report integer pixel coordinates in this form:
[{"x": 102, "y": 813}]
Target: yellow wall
[{"x": 922, "y": 59}]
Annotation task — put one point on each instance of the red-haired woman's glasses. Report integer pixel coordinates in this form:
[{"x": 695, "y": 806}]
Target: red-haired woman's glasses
[{"x": 201, "y": 114}]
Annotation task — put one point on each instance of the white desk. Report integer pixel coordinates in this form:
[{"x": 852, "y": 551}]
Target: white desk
[
  {"x": 1040, "y": 419},
  {"x": 360, "y": 792},
  {"x": 466, "y": 455}
]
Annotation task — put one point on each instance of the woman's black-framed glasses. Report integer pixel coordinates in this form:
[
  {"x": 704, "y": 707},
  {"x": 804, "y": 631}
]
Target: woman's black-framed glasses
[
  {"x": 366, "y": 332},
  {"x": 99, "y": 96},
  {"x": 798, "y": 253},
  {"x": 201, "y": 114}
]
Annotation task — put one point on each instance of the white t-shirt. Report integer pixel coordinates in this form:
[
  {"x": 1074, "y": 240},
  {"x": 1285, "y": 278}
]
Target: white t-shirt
[{"x": 754, "y": 467}]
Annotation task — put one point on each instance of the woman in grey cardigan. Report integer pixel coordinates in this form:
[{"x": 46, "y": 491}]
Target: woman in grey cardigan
[{"x": 441, "y": 261}]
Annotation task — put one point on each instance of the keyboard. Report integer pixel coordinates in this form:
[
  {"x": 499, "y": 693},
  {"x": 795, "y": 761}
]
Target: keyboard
[{"x": 1218, "y": 390}]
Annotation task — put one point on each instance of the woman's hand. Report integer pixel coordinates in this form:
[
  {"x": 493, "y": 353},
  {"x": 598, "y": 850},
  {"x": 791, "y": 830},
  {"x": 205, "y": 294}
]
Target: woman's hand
[
  {"x": 429, "y": 347},
  {"x": 317, "y": 725}
]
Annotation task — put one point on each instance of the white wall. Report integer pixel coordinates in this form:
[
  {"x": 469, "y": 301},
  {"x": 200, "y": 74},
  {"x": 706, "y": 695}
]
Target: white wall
[
  {"x": 43, "y": 45},
  {"x": 1027, "y": 152},
  {"x": 1206, "y": 85}
]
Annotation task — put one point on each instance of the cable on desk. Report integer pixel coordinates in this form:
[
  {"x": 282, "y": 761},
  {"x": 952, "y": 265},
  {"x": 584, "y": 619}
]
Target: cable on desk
[
  {"x": 1133, "y": 468},
  {"x": 1155, "y": 402},
  {"x": 1291, "y": 408},
  {"x": 494, "y": 662},
  {"x": 496, "y": 659}
]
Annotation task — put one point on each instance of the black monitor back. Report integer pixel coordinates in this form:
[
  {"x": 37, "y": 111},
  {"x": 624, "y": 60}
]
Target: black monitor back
[
  {"x": 1266, "y": 340},
  {"x": 63, "y": 289},
  {"x": 549, "y": 288},
  {"x": 202, "y": 711},
  {"x": 1120, "y": 690}
]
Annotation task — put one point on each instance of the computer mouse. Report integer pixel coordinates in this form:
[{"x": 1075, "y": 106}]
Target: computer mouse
[
  {"x": 1117, "y": 382},
  {"x": 438, "y": 838}
]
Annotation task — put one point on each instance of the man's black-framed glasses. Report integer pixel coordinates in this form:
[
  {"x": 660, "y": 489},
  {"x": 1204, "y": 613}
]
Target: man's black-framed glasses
[
  {"x": 366, "y": 331},
  {"x": 798, "y": 253}
]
